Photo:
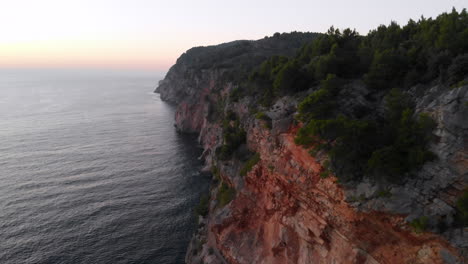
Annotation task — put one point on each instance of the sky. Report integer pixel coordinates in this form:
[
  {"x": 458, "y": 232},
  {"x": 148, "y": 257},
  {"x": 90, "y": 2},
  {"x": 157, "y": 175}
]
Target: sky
[{"x": 152, "y": 34}]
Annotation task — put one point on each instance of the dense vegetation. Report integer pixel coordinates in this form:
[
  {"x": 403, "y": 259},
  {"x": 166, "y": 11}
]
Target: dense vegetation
[
  {"x": 235, "y": 60},
  {"x": 233, "y": 136},
  {"x": 388, "y": 148},
  {"x": 389, "y": 56},
  {"x": 389, "y": 60}
]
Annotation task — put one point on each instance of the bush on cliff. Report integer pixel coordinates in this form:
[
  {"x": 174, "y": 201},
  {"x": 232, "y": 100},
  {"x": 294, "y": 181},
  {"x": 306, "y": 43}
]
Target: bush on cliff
[
  {"x": 235, "y": 95},
  {"x": 321, "y": 103},
  {"x": 387, "y": 70},
  {"x": 458, "y": 70},
  {"x": 233, "y": 136},
  {"x": 462, "y": 209},
  {"x": 419, "y": 225},
  {"x": 290, "y": 79},
  {"x": 225, "y": 194},
  {"x": 216, "y": 174},
  {"x": 267, "y": 120},
  {"x": 388, "y": 149},
  {"x": 249, "y": 164},
  {"x": 406, "y": 151},
  {"x": 202, "y": 207}
]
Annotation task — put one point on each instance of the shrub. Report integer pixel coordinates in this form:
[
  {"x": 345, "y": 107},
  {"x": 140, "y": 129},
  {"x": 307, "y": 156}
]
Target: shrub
[
  {"x": 202, "y": 207},
  {"x": 230, "y": 116},
  {"x": 348, "y": 142},
  {"x": 395, "y": 103},
  {"x": 389, "y": 149},
  {"x": 437, "y": 65},
  {"x": 264, "y": 117},
  {"x": 317, "y": 105},
  {"x": 216, "y": 174},
  {"x": 235, "y": 95},
  {"x": 387, "y": 161},
  {"x": 326, "y": 64},
  {"x": 326, "y": 169},
  {"x": 290, "y": 79},
  {"x": 223, "y": 152},
  {"x": 225, "y": 194},
  {"x": 387, "y": 69},
  {"x": 462, "y": 208},
  {"x": 215, "y": 110},
  {"x": 332, "y": 84},
  {"x": 384, "y": 193},
  {"x": 406, "y": 149},
  {"x": 320, "y": 104},
  {"x": 198, "y": 246},
  {"x": 304, "y": 137},
  {"x": 324, "y": 174},
  {"x": 460, "y": 84},
  {"x": 233, "y": 136},
  {"x": 249, "y": 164},
  {"x": 458, "y": 70},
  {"x": 419, "y": 225},
  {"x": 271, "y": 168},
  {"x": 210, "y": 251},
  {"x": 352, "y": 147}
]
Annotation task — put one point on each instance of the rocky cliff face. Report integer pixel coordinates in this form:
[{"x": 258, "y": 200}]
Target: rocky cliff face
[{"x": 285, "y": 211}]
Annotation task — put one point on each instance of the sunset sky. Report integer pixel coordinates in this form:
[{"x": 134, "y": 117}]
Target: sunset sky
[{"x": 151, "y": 34}]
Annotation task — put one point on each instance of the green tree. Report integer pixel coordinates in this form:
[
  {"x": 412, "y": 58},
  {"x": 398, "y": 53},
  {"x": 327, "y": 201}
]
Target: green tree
[
  {"x": 458, "y": 70},
  {"x": 387, "y": 69}
]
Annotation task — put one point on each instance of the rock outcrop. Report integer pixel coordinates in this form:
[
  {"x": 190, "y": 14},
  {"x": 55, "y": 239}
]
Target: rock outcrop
[{"x": 284, "y": 210}]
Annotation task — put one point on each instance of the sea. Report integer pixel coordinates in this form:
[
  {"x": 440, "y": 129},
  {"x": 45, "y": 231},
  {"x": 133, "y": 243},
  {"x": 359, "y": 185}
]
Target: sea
[{"x": 92, "y": 169}]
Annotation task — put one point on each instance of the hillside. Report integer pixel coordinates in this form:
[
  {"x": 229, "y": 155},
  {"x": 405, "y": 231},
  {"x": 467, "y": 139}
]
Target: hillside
[{"x": 331, "y": 148}]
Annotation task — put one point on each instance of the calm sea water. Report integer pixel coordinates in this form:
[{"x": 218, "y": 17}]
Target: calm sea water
[{"x": 92, "y": 170}]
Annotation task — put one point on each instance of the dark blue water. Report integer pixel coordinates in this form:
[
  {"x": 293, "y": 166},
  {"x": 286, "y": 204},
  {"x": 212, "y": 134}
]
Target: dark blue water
[{"x": 92, "y": 170}]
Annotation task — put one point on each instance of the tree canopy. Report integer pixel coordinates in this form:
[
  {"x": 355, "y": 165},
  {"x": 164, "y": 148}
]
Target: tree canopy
[{"x": 389, "y": 60}]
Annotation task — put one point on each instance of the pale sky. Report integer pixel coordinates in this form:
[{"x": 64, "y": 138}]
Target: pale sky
[{"x": 151, "y": 34}]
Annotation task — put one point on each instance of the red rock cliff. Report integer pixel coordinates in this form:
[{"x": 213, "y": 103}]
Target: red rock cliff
[{"x": 286, "y": 213}]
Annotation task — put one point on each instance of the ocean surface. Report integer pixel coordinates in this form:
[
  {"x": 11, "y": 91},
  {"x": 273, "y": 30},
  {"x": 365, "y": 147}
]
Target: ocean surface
[{"x": 92, "y": 170}]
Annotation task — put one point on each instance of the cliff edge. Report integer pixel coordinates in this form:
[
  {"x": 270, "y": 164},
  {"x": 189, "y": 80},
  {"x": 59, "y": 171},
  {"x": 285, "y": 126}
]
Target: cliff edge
[{"x": 274, "y": 200}]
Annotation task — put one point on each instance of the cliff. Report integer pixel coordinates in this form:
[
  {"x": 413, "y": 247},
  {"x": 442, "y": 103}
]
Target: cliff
[{"x": 281, "y": 207}]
